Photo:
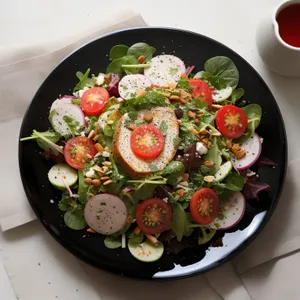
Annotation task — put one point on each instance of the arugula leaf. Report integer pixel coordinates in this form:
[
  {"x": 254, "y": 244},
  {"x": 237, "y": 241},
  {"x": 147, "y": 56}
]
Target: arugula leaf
[
  {"x": 186, "y": 136},
  {"x": 84, "y": 80},
  {"x": 83, "y": 188},
  {"x": 223, "y": 67},
  {"x": 90, "y": 120},
  {"x": 163, "y": 127},
  {"x": 118, "y": 51},
  {"x": 178, "y": 220},
  {"x": 237, "y": 94},
  {"x": 254, "y": 113},
  {"x": 63, "y": 203},
  {"x": 75, "y": 219},
  {"x": 113, "y": 242},
  {"x": 141, "y": 49},
  {"x": 173, "y": 171}
]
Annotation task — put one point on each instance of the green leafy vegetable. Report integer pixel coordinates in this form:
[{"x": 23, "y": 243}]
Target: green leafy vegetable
[
  {"x": 116, "y": 66},
  {"x": 176, "y": 141},
  {"x": 163, "y": 127},
  {"x": 205, "y": 234},
  {"x": 75, "y": 219},
  {"x": 45, "y": 140},
  {"x": 216, "y": 81},
  {"x": 244, "y": 137},
  {"x": 63, "y": 204},
  {"x": 83, "y": 188},
  {"x": 254, "y": 113},
  {"x": 234, "y": 182},
  {"x": 237, "y": 94},
  {"x": 75, "y": 102},
  {"x": 173, "y": 171},
  {"x": 90, "y": 120},
  {"x": 73, "y": 125},
  {"x": 184, "y": 84},
  {"x": 84, "y": 81},
  {"x": 224, "y": 68},
  {"x": 113, "y": 242},
  {"x": 136, "y": 238},
  {"x": 117, "y": 174},
  {"x": 118, "y": 51},
  {"x": 178, "y": 221},
  {"x": 213, "y": 155},
  {"x": 153, "y": 168},
  {"x": 140, "y": 49},
  {"x": 108, "y": 131}
]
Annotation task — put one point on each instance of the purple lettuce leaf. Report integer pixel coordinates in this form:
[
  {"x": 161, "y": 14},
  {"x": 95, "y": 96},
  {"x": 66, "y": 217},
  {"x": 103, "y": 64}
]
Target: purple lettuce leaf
[{"x": 253, "y": 187}]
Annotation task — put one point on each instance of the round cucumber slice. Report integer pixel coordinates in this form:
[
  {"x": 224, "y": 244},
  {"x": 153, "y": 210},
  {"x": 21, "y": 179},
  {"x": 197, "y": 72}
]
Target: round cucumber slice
[
  {"x": 221, "y": 95},
  {"x": 59, "y": 171},
  {"x": 223, "y": 171},
  {"x": 146, "y": 251}
]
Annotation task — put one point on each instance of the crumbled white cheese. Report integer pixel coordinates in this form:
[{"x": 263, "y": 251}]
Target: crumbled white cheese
[
  {"x": 80, "y": 92},
  {"x": 82, "y": 133},
  {"x": 261, "y": 139},
  {"x": 105, "y": 154},
  {"x": 51, "y": 201},
  {"x": 120, "y": 100},
  {"x": 200, "y": 148},
  {"x": 165, "y": 199},
  {"x": 250, "y": 173},
  {"x": 90, "y": 173},
  {"x": 99, "y": 80}
]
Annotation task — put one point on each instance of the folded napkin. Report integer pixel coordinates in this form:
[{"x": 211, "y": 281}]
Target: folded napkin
[{"x": 19, "y": 80}]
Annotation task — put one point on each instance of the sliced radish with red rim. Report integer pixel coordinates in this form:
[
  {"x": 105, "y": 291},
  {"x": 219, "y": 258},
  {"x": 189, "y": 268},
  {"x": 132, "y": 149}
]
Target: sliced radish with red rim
[{"x": 253, "y": 150}]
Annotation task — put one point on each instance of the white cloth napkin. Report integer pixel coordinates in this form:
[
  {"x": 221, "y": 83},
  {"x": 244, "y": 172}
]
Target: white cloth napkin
[{"x": 19, "y": 80}]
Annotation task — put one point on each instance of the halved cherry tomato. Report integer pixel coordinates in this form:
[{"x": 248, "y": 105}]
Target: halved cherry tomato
[
  {"x": 201, "y": 90},
  {"x": 204, "y": 206},
  {"x": 232, "y": 121},
  {"x": 153, "y": 216},
  {"x": 147, "y": 141},
  {"x": 93, "y": 100},
  {"x": 78, "y": 151}
]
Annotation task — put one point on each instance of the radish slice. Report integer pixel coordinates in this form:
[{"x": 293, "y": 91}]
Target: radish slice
[
  {"x": 130, "y": 84},
  {"x": 165, "y": 69},
  {"x": 221, "y": 95},
  {"x": 253, "y": 150},
  {"x": 64, "y": 99},
  {"x": 67, "y": 119},
  {"x": 232, "y": 212}
]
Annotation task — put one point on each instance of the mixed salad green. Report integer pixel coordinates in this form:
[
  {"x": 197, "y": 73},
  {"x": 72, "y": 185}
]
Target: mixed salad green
[{"x": 150, "y": 149}]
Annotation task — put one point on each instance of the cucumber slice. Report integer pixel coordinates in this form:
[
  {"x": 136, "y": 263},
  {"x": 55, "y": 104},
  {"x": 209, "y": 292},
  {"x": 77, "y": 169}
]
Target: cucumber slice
[
  {"x": 146, "y": 252},
  {"x": 59, "y": 171},
  {"x": 223, "y": 171},
  {"x": 221, "y": 95},
  {"x": 199, "y": 74}
]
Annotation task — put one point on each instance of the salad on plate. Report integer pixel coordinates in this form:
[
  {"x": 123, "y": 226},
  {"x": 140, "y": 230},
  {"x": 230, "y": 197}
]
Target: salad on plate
[{"x": 151, "y": 151}]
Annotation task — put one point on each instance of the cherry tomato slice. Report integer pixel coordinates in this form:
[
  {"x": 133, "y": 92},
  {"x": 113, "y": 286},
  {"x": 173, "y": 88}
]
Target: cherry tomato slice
[
  {"x": 201, "y": 90},
  {"x": 153, "y": 216},
  {"x": 232, "y": 121},
  {"x": 78, "y": 151},
  {"x": 204, "y": 206},
  {"x": 147, "y": 141},
  {"x": 94, "y": 100}
]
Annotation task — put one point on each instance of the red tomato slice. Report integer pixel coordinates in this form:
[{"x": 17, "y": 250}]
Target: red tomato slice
[
  {"x": 204, "y": 206},
  {"x": 201, "y": 90},
  {"x": 147, "y": 141},
  {"x": 153, "y": 216},
  {"x": 232, "y": 121},
  {"x": 78, "y": 151},
  {"x": 94, "y": 100}
]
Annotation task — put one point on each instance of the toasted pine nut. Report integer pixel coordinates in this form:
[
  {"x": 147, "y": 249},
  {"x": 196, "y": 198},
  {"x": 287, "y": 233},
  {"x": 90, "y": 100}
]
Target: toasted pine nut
[
  {"x": 205, "y": 141},
  {"x": 185, "y": 177},
  {"x": 240, "y": 154},
  {"x": 191, "y": 114},
  {"x": 203, "y": 131},
  {"x": 216, "y": 106},
  {"x": 96, "y": 182},
  {"x": 196, "y": 121},
  {"x": 174, "y": 97},
  {"x": 148, "y": 116},
  {"x": 91, "y": 195},
  {"x": 110, "y": 122},
  {"x": 193, "y": 130},
  {"x": 180, "y": 192},
  {"x": 137, "y": 230},
  {"x": 235, "y": 148},
  {"x": 140, "y": 93},
  {"x": 88, "y": 181},
  {"x": 132, "y": 126},
  {"x": 141, "y": 59},
  {"x": 99, "y": 148},
  {"x": 228, "y": 144},
  {"x": 97, "y": 168},
  {"x": 172, "y": 85},
  {"x": 183, "y": 76},
  {"x": 107, "y": 182},
  {"x": 208, "y": 163},
  {"x": 209, "y": 178},
  {"x": 105, "y": 178},
  {"x": 104, "y": 169},
  {"x": 91, "y": 230},
  {"x": 106, "y": 163},
  {"x": 152, "y": 239},
  {"x": 96, "y": 137},
  {"x": 91, "y": 134}
]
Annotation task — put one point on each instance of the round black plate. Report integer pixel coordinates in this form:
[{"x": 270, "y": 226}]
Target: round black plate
[{"x": 194, "y": 49}]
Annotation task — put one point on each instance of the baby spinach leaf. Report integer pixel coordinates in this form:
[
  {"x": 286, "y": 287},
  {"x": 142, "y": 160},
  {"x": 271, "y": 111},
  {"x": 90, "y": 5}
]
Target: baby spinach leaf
[
  {"x": 223, "y": 67},
  {"x": 140, "y": 49},
  {"x": 50, "y": 135},
  {"x": 118, "y": 51},
  {"x": 233, "y": 182},
  {"x": 173, "y": 171},
  {"x": 216, "y": 81},
  {"x": 84, "y": 80},
  {"x": 75, "y": 219},
  {"x": 116, "y": 66},
  {"x": 237, "y": 94},
  {"x": 178, "y": 220},
  {"x": 254, "y": 113},
  {"x": 214, "y": 156},
  {"x": 113, "y": 242},
  {"x": 244, "y": 137}
]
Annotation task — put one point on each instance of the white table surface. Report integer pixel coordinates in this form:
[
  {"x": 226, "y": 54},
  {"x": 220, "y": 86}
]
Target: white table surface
[{"x": 232, "y": 22}]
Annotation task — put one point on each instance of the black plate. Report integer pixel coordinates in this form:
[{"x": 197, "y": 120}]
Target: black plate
[{"x": 194, "y": 49}]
